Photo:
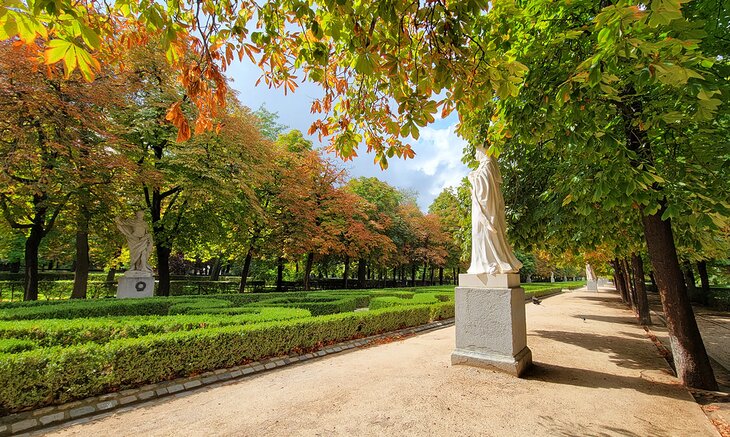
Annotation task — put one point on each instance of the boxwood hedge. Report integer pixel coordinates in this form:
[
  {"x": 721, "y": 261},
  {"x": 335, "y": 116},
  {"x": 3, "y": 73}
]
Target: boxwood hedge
[{"x": 48, "y": 333}]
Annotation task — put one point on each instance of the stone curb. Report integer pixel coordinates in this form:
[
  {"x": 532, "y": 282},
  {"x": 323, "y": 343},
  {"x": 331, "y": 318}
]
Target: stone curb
[{"x": 87, "y": 409}]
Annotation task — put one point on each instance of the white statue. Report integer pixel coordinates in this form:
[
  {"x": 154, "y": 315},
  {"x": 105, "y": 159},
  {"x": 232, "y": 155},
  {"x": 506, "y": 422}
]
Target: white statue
[
  {"x": 490, "y": 252},
  {"x": 139, "y": 240},
  {"x": 590, "y": 274}
]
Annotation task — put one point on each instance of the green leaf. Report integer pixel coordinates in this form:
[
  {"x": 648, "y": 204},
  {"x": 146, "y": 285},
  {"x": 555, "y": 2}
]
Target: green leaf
[
  {"x": 57, "y": 50},
  {"x": 671, "y": 212},
  {"x": 594, "y": 77},
  {"x": 90, "y": 37},
  {"x": 364, "y": 64}
]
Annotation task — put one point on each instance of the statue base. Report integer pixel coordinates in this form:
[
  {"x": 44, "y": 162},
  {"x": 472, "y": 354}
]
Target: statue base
[
  {"x": 491, "y": 331},
  {"x": 136, "y": 284},
  {"x": 592, "y": 286},
  {"x": 485, "y": 280}
]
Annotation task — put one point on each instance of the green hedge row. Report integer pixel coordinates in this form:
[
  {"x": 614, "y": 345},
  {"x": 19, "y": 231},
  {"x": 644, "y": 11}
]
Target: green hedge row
[
  {"x": 317, "y": 306},
  {"x": 417, "y": 299},
  {"x": 15, "y": 345},
  {"x": 552, "y": 290},
  {"x": 55, "y": 375},
  {"x": 91, "y": 308},
  {"x": 47, "y": 333}
]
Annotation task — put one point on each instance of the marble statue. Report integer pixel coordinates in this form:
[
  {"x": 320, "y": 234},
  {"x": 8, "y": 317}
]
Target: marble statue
[
  {"x": 590, "y": 274},
  {"x": 591, "y": 279},
  {"x": 139, "y": 240},
  {"x": 490, "y": 251}
]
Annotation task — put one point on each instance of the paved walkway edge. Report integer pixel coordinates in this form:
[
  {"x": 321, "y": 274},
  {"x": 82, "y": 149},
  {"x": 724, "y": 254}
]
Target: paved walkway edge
[{"x": 89, "y": 408}]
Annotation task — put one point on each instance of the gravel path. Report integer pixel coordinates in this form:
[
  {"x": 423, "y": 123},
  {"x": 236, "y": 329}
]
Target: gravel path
[{"x": 595, "y": 374}]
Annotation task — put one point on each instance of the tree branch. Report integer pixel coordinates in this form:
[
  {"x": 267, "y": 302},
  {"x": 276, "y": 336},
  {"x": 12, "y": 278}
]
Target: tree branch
[
  {"x": 8, "y": 216},
  {"x": 170, "y": 192},
  {"x": 52, "y": 221}
]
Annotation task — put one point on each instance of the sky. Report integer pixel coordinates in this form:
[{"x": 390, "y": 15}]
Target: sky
[{"x": 437, "y": 164}]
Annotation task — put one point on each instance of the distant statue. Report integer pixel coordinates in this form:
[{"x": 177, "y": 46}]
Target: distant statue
[
  {"x": 490, "y": 252},
  {"x": 590, "y": 274},
  {"x": 139, "y": 240}
]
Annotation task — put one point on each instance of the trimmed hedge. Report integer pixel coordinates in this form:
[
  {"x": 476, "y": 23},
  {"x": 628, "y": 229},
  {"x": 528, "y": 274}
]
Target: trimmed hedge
[
  {"x": 91, "y": 308},
  {"x": 318, "y": 306},
  {"x": 198, "y": 306},
  {"x": 48, "y": 333},
  {"x": 14, "y": 345},
  {"x": 55, "y": 375},
  {"x": 417, "y": 299}
]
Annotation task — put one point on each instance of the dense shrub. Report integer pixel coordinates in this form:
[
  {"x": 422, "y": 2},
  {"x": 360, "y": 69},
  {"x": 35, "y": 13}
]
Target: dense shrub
[
  {"x": 89, "y": 308},
  {"x": 197, "y": 306},
  {"x": 102, "y": 330},
  {"x": 55, "y": 375},
  {"x": 15, "y": 345},
  {"x": 416, "y": 299},
  {"x": 317, "y": 305}
]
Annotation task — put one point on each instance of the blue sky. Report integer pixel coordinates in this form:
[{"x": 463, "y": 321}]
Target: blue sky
[{"x": 438, "y": 150}]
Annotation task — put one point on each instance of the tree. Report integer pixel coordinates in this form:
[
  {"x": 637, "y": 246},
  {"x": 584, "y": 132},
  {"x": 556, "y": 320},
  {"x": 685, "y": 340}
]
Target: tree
[
  {"x": 184, "y": 184},
  {"x": 618, "y": 97},
  {"x": 56, "y": 143},
  {"x": 451, "y": 213}
]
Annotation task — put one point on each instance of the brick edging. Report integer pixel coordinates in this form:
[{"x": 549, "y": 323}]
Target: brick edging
[{"x": 35, "y": 420}]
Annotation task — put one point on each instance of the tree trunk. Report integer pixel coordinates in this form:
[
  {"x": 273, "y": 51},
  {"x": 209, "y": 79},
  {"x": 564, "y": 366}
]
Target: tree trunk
[
  {"x": 620, "y": 282},
  {"x": 413, "y": 275},
  {"x": 346, "y": 275},
  {"x": 163, "y": 269},
  {"x": 81, "y": 271},
  {"x": 245, "y": 270},
  {"x": 690, "y": 357},
  {"x": 705, "y": 281},
  {"x": 642, "y": 301},
  {"x": 423, "y": 274},
  {"x": 32, "y": 243},
  {"x": 629, "y": 284},
  {"x": 361, "y": 272},
  {"x": 279, "y": 273},
  {"x": 653, "y": 281},
  {"x": 110, "y": 274},
  {"x": 689, "y": 279},
  {"x": 215, "y": 269},
  {"x": 441, "y": 276},
  {"x": 308, "y": 269}
]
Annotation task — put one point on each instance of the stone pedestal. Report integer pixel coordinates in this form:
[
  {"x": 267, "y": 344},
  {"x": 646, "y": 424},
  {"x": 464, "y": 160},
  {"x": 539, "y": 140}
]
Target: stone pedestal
[
  {"x": 136, "y": 284},
  {"x": 490, "y": 324},
  {"x": 592, "y": 286}
]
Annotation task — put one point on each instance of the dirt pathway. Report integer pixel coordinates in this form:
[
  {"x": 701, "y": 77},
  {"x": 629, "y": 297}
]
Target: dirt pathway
[{"x": 595, "y": 374}]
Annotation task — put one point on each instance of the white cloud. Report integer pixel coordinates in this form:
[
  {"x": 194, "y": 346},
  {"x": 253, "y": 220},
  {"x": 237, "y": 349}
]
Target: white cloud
[{"x": 437, "y": 163}]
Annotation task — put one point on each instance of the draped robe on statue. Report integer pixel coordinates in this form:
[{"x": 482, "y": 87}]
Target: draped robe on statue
[
  {"x": 139, "y": 240},
  {"x": 490, "y": 251}
]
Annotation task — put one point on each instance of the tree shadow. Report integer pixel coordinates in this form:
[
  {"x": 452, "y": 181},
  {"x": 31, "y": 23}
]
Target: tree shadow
[
  {"x": 624, "y": 320},
  {"x": 554, "y": 374},
  {"x": 622, "y": 351},
  {"x": 613, "y": 300},
  {"x": 566, "y": 427}
]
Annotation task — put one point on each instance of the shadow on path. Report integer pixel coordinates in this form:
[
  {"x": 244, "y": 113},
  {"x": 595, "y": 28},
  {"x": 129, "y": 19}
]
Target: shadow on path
[
  {"x": 622, "y": 351},
  {"x": 553, "y": 374},
  {"x": 625, "y": 320},
  {"x": 565, "y": 427}
]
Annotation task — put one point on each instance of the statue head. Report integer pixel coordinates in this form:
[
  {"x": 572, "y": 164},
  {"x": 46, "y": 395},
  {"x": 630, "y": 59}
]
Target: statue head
[
  {"x": 139, "y": 215},
  {"x": 481, "y": 153}
]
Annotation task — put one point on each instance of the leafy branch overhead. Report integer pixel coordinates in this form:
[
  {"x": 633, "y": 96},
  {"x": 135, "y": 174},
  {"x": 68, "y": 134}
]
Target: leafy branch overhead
[{"x": 385, "y": 68}]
